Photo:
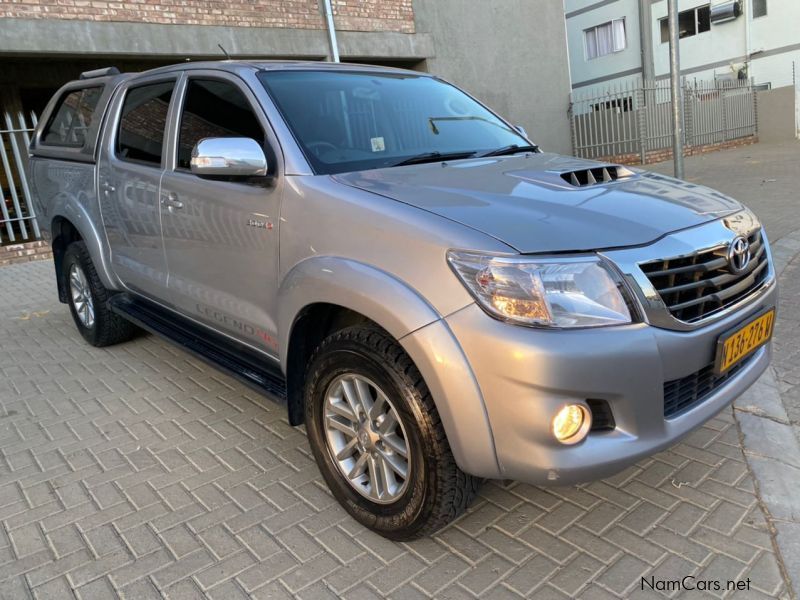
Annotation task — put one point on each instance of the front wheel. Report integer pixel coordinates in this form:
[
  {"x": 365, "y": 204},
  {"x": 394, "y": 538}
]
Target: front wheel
[{"x": 378, "y": 439}]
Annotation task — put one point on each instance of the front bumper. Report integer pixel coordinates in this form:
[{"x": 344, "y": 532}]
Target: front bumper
[{"x": 525, "y": 375}]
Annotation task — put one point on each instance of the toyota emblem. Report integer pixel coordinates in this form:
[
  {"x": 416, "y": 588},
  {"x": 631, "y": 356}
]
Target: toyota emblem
[{"x": 739, "y": 254}]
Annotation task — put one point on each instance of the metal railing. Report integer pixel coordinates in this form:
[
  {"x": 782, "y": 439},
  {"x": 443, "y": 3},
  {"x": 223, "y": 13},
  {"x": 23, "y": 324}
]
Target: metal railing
[
  {"x": 17, "y": 218},
  {"x": 634, "y": 118}
]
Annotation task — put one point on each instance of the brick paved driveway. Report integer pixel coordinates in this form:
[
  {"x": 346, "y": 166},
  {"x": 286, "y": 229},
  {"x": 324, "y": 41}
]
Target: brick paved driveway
[{"x": 138, "y": 470}]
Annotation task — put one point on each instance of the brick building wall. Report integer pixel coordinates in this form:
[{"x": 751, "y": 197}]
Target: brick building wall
[
  {"x": 19, "y": 253},
  {"x": 350, "y": 15},
  {"x": 656, "y": 156}
]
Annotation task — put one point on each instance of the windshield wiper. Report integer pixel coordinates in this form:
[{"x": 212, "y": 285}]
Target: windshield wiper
[
  {"x": 510, "y": 149},
  {"x": 433, "y": 157}
]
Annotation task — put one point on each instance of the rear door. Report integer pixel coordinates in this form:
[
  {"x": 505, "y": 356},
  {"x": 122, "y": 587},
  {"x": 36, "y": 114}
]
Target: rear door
[
  {"x": 129, "y": 176},
  {"x": 221, "y": 235}
]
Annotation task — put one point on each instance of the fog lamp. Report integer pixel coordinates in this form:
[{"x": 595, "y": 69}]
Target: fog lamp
[{"x": 571, "y": 423}]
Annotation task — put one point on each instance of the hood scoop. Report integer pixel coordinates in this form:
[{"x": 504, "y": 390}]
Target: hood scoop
[{"x": 595, "y": 175}]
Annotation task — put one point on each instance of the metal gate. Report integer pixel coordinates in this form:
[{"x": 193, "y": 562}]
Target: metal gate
[
  {"x": 635, "y": 118},
  {"x": 17, "y": 219}
]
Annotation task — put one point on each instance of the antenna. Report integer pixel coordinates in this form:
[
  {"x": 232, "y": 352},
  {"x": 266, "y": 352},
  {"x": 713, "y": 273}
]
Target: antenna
[{"x": 225, "y": 52}]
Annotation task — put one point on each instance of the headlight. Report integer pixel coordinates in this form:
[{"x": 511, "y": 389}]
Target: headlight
[{"x": 544, "y": 292}]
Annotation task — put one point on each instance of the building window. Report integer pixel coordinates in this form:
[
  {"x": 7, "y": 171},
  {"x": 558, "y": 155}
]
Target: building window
[
  {"x": 618, "y": 105},
  {"x": 759, "y": 8},
  {"x": 605, "y": 39},
  {"x": 690, "y": 22}
]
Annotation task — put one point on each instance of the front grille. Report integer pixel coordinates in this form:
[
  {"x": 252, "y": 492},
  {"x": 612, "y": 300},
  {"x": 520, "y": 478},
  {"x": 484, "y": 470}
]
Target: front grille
[
  {"x": 696, "y": 286},
  {"x": 682, "y": 394}
]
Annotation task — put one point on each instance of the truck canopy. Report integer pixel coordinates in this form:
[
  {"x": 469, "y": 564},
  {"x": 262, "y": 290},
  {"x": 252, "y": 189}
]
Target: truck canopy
[{"x": 69, "y": 127}]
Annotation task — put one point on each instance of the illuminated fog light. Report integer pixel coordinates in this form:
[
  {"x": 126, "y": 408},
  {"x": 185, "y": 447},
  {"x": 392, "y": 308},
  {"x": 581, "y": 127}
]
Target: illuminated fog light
[{"x": 571, "y": 423}]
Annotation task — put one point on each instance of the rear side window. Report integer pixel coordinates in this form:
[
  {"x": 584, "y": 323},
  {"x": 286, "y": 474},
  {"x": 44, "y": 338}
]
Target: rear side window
[
  {"x": 214, "y": 108},
  {"x": 72, "y": 118},
  {"x": 140, "y": 137}
]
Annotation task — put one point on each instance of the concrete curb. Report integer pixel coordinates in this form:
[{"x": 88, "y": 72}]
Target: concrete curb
[{"x": 772, "y": 450}]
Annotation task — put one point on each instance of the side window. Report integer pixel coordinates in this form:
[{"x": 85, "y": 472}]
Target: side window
[
  {"x": 214, "y": 108},
  {"x": 140, "y": 137},
  {"x": 72, "y": 118}
]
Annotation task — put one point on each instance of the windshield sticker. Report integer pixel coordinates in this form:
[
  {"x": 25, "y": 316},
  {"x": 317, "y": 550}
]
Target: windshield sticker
[{"x": 378, "y": 144}]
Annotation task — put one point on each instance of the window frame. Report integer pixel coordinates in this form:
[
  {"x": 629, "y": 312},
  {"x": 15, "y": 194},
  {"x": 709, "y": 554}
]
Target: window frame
[
  {"x": 167, "y": 124},
  {"x": 664, "y": 20},
  {"x": 184, "y": 91},
  {"x": 54, "y": 113},
  {"x": 594, "y": 29}
]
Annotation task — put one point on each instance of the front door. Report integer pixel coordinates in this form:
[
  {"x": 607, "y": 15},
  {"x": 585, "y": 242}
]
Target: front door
[
  {"x": 130, "y": 169},
  {"x": 221, "y": 234}
]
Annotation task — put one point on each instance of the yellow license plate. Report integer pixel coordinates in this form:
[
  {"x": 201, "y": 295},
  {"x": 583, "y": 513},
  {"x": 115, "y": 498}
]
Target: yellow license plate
[{"x": 736, "y": 345}]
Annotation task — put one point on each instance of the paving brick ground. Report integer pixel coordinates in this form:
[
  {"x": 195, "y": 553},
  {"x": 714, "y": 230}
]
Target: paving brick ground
[{"x": 138, "y": 471}]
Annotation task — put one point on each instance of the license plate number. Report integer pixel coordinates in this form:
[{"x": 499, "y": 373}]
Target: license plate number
[{"x": 734, "y": 346}]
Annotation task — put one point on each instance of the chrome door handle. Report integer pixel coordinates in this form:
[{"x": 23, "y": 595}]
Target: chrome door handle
[{"x": 171, "y": 202}]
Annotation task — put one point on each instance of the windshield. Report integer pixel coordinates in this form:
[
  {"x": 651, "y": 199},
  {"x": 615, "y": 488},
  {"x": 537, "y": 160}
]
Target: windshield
[{"x": 350, "y": 121}]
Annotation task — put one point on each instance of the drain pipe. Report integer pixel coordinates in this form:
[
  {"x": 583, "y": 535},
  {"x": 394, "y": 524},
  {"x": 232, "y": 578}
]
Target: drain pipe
[{"x": 334, "y": 46}]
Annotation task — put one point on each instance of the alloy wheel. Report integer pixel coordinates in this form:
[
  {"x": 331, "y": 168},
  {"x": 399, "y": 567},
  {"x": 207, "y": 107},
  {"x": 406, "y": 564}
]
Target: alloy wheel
[
  {"x": 366, "y": 438},
  {"x": 81, "y": 296}
]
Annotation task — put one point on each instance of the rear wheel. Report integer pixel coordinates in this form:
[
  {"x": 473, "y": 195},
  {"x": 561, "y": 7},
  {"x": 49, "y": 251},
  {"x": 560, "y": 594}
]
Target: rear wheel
[
  {"x": 378, "y": 439},
  {"x": 88, "y": 300}
]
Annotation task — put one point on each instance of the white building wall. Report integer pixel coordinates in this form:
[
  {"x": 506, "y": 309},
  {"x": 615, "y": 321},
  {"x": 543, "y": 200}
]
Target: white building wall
[
  {"x": 724, "y": 43},
  {"x": 584, "y": 70},
  {"x": 774, "y": 44}
]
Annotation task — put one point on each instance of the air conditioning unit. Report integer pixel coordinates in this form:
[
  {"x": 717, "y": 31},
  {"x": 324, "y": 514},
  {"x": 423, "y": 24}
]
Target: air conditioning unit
[{"x": 722, "y": 13}]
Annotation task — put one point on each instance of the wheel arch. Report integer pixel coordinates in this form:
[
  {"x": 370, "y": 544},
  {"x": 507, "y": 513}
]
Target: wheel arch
[
  {"x": 63, "y": 233},
  {"x": 323, "y": 294},
  {"x": 72, "y": 222}
]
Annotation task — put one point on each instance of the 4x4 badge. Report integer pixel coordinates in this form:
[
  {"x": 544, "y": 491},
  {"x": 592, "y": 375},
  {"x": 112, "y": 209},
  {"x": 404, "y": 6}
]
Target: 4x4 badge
[{"x": 739, "y": 254}]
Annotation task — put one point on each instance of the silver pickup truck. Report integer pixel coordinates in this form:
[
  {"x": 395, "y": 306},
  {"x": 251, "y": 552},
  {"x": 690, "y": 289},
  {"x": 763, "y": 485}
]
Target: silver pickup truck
[{"x": 434, "y": 297}]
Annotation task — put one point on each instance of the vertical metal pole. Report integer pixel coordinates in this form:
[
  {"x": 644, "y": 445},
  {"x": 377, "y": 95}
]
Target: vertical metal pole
[
  {"x": 646, "y": 39},
  {"x": 675, "y": 85},
  {"x": 331, "y": 27}
]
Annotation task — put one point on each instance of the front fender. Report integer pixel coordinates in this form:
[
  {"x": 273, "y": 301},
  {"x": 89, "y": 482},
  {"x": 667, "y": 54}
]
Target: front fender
[
  {"x": 362, "y": 288},
  {"x": 424, "y": 335}
]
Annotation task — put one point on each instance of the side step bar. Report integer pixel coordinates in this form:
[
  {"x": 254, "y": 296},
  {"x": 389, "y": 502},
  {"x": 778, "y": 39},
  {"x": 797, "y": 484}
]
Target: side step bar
[{"x": 228, "y": 356}]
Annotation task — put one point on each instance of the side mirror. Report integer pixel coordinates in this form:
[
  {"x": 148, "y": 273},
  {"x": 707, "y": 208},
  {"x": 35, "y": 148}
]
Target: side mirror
[{"x": 230, "y": 157}]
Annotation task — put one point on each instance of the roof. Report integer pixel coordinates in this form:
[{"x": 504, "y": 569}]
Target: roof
[{"x": 278, "y": 65}]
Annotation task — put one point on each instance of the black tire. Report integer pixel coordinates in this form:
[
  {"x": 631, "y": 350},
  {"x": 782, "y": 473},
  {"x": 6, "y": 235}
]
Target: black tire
[
  {"x": 437, "y": 491},
  {"x": 108, "y": 328}
]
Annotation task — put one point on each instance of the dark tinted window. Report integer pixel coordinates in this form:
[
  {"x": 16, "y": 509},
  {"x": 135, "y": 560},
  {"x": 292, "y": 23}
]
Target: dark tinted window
[
  {"x": 690, "y": 22},
  {"x": 144, "y": 118},
  {"x": 214, "y": 109},
  {"x": 350, "y": 121},
  {"x": 703, "y": 19},
  {"x": 72, "y": 119}
]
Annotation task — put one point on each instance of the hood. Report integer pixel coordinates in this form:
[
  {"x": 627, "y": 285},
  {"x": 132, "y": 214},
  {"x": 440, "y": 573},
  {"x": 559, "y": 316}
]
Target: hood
[{"x": 536, "y": 203}]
